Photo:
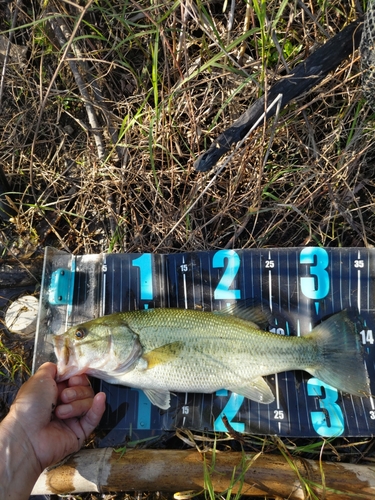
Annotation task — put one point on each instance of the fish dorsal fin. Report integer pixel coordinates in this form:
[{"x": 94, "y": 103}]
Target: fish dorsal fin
[
  {"x": 249, "y": 312},
  {"x": 256, "y": 389},
  {"x": 159, "y": 398},
  {"x": 163, "y": 354}
]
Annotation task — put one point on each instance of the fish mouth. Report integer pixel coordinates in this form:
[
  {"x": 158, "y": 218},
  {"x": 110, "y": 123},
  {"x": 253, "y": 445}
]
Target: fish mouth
[{"x": 66, "y": 366}]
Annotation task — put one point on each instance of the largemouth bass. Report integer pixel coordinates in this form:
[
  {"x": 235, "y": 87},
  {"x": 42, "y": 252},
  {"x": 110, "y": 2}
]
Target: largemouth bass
[{"x": 164, "y": 350}]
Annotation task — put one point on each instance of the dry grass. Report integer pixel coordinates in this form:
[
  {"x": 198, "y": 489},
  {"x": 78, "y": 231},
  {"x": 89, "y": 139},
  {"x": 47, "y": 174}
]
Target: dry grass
[
  {"x": 15, "y": 361},
  {"x": 164, "y": 79}
]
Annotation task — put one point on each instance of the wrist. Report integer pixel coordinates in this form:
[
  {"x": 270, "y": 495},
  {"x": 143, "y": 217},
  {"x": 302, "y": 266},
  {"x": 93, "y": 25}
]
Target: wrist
[{"x": 19, "y": 466}]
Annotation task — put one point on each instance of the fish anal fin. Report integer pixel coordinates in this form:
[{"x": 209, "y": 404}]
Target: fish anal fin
[
  {"x": 161, "y": 399},
  {"x": 163, "y": 354},
  {"x": 256, "y": 389}
]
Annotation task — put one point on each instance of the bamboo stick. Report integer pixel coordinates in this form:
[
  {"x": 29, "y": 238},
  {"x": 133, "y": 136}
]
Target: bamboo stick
[{"x": 103, "y": 470}]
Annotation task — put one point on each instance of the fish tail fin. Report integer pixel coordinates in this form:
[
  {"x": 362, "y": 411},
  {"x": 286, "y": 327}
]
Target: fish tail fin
[{"x": 340, "y": 355}]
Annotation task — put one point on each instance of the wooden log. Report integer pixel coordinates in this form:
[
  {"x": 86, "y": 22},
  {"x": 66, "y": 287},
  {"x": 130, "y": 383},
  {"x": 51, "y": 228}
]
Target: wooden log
[{"x": 103, "y": 470}]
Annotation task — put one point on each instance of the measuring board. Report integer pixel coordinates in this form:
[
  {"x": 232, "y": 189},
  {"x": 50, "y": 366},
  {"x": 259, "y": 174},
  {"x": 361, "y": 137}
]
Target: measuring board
[{"x": 299, "y": 286}]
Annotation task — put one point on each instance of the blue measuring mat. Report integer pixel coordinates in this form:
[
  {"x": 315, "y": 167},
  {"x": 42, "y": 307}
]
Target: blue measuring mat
[{"x": 299, "y": 286}]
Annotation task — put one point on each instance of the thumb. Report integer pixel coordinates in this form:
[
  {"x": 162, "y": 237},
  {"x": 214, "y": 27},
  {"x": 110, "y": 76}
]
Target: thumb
[{"x": 94, "y": 415}]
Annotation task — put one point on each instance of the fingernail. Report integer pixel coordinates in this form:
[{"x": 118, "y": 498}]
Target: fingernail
[
  {"x": 64, "y": 410},
  {"x": 70, "y": 394}
]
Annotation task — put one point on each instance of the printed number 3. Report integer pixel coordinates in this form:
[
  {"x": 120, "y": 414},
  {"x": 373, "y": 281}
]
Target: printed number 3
[
  {"x": 316, "y": 286},
  {"x": 329, "y": 408}
]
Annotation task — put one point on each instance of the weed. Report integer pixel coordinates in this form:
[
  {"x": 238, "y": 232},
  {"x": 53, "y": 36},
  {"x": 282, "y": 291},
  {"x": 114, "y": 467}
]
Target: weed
[
  {"x": 163, "y": 81},
  {"x": 12, "y": 363}
]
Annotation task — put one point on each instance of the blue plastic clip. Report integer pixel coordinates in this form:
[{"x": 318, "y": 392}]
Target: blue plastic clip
[{"x": 60, "y": 290}]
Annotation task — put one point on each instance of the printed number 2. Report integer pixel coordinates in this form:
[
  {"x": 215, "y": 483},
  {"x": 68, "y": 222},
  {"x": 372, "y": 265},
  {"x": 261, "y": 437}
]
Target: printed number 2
[
  {"x": 144, "y": 262},
  {"x": 329, "y": 408},
  {"x": 230, "y": 411},
  {"x": 316, "y": 286},
  {"x": 222, "y": 291}
]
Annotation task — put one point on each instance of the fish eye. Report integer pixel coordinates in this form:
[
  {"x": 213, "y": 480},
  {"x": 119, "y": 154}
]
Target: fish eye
[{"x": 80, "y": 334}]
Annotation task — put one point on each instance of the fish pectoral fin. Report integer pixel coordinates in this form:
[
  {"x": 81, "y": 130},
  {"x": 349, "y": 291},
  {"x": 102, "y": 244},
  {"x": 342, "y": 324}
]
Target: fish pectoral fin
[
  {"x": 163, "y": 354},
  {"x": 256, "y": 389},
  {"x": 162, "y": 399}
]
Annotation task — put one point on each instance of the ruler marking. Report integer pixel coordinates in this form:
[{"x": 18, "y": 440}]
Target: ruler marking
[
  {"x": 359, "y": 284},
  {"x": 364, "y": 414},
  {"x": 186, "y": 404},
  {"x": 186, "y": 306},
  {"x": 298, "y": 282},
  {"x": 358, "y": 414},
  {"x": 200, "y": 298},
  {"x": 343, "y": 409},
  {"x": 209, "y": 280},
  {"x": 279, "y": 301},
  {"x": 269, "y": 282},
  {"x": 103, "y": 294},
  {"x": 298, "y": 326},
  {"x": 340, "y": 280},
  {"x": 368, "y": 280},
  {"x": 123, "y": 283},
  {"x": 252, "y": 275},
  {"x": 288, "y": 279},
  {"x": 129, "y": 285},
  {"x": 354, "y": 411},
  {"x": 184, "y": 284},
  {"x": 372, "y": 402},
  {"x": 271, "y": 308},
  {"x": 279, "y": 278},
  {"x": 260, "y": 276}
]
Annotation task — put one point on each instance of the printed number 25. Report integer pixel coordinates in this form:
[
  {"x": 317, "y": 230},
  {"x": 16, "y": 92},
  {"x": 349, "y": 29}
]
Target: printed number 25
[{"x": 316, "y": 286}]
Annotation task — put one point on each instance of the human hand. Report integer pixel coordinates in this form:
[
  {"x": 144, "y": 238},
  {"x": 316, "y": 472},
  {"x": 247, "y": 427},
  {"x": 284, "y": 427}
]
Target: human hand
[{"x": 53, "y": 418}]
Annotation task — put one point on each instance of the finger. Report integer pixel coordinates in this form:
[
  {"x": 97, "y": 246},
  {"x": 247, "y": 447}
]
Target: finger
[
  {"x": 42, "y": 381},
  {"x": 94, "y": 415},
  {"x": 74, "y": 409},
  {"x": 47, "y": 369},
  {"x": 70, "y": 394},
  {"x": 61, "y": 386},
  {"x": 40, "y": 388},
  {"x": 79, "y": 380},
  {"x": 83, "y": 427}
]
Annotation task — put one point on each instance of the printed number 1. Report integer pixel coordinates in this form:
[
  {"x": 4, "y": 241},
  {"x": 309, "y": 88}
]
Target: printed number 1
[{"x": 144, "y": 262}]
